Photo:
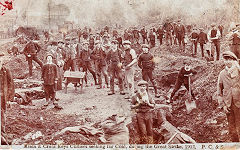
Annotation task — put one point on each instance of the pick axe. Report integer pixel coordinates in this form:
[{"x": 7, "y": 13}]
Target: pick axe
[{"x": 190, "y": 104}]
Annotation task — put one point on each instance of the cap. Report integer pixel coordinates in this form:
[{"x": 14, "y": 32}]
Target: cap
[
  {"x": 145, "y": 46},
  {"x": 179, "y": 20},
  {"x": 200, "y": 28},
  {"x": 49, "y": 54},
  {"x": 60, "y": 42},
  {"x": 229, "y": 54},
  {"x": 126, "y": 42},
  {"x": 142, "y": 82},
  {"x": 85, "y": 42},
  {"x": 213, "y": 24},
  {"x": 53, "y": 43},
  {"x": 97, "y": 42},
  {"x": 114, "y": 42}
]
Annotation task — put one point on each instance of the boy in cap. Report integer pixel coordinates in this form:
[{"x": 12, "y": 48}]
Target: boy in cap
[
  {"x": 214, "y": 38},
  {"x": 86, "y": 62},
  {"x": 146, "y": 63},
  {"x": 49, "y": 76},
  {"x": 183, "y": 79},
  {"x": 99, "y": 55},
  {"x": 115, "y": 66},
  {"x": 129, "y": 59},
  {"x": 7, "y": 93},
  {"x": 143, "y": 102},
  {"x": 228, "y": 89}
]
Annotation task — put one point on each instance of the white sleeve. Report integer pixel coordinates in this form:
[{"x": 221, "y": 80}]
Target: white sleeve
[
  {"x": 209, "y": 35},
  {"x": 133, "y": 54},
  {"x": 218, "y": 34}
]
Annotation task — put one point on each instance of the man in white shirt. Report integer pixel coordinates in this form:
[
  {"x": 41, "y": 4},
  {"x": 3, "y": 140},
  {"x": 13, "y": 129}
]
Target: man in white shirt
[{"x": 214, "y": 38}]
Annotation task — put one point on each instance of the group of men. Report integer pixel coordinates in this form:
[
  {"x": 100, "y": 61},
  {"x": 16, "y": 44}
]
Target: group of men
[{"x": 117, "y": 56}]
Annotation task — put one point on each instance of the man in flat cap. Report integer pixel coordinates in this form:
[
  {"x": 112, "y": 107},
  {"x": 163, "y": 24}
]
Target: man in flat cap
[
  {"x": 86, "y": 62},
  {"x": 99, "y": 56},
  {"x": 7, "y": 93},
  {"x": 160, "y": 33},
  {"x": 234, "y": 37},
  {"x": 202, "y": 39},
  {"x": 168, "y": 28},
  {"x": 130, "y": 60},
  {"x": 228, "y": 89},
  {"x": 180, "y": 35},
  {"x": 30, "y": 51},
  {"x": 214, "y": 38},
  {"x": 194, "y": 38},
  {"x": 147, "y": 64},
  {"x": 143, "y": 103},
  {"x": 115, "y": 66}
]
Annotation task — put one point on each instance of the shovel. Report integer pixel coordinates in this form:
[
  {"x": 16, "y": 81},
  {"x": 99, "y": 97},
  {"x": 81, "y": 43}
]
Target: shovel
[{"x": 190, "y": 105}]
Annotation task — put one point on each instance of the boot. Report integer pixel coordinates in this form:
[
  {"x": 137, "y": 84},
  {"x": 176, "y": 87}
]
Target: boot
[
  {"x": 100, "y": 86},
  {"x": 122, "y": 92},
  {"x": 111, "y": 93}
]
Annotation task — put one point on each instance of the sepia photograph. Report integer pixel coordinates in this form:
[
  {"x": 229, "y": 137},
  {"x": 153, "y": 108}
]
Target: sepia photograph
[{"x": 111, "y": 74}]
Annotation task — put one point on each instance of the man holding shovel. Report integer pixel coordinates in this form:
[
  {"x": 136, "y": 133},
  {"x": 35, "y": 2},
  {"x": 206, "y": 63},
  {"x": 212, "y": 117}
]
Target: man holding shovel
[{"x": 183, "y": 79}]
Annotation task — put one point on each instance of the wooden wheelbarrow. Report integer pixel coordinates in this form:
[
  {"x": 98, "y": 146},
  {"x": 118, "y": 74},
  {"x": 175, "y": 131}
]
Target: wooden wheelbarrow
[{"x": 75, "y": 77}]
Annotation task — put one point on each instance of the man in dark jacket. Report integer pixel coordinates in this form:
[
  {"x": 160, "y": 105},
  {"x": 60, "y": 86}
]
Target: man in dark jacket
[
  {"x": 160, "y": 33},
  {"x": 115, "y": 66},
  {"x": 144, "y": 35},
  {"x": 86, "y": 62},
  {"x": 30, "y": 51},
  {"x": 194, "y": 39},
  {"x": 183, "y": 79},
  {"x": 152, "y": 37},
  {"x": 99, "y": 55},
  {"x": 180, "y": 35},
  {"x": 7, "y": 93},
  {"x": 143, "y": 102},
  {"x": 147, "y": 64},
  {"x": 202, "y": 39},
  {"x": 168, "y": 28}
]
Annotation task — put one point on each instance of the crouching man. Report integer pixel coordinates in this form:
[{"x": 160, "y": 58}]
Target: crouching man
[
  {"x": 143, "y": 102},
  {"x": 183, "y": 79},
  {"x": 228, "y": 87},
  {"x": 49, "y": 76}
]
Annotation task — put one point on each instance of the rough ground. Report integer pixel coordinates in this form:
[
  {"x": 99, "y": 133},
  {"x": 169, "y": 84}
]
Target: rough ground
[{"x": 206, "y": 124}]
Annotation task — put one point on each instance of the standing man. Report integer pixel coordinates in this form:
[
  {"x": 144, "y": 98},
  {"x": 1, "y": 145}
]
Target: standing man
[
  {"x": 30, "y": 51},
  {"x": 49, "y": 76},
  {"x": 146, "y": 63},
  {"x": 168, "y": 30},
  {"x": 7, "y": 93},
  {"x": 143, "y": 102},
  {"x": 180, "y": 35},
  {"x": 214, "y": 38},
  {"x": 160, "y": 34},
  {"x": 202, "y": 39},
  {"x": 228, "y": 89},
  {"x": 144, "y": 35},
  {"x": 194, "y": 39},
  {"x": 115, "y": 65},
  {"x": 99, "y": 55},
  {"x": 234, "y": 37},
  {"x": 152, "y": 37},
  {"x": 130, "y": 59},
  {"x": 86, "y": 62}
]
